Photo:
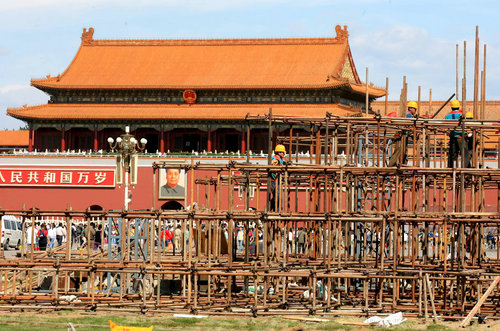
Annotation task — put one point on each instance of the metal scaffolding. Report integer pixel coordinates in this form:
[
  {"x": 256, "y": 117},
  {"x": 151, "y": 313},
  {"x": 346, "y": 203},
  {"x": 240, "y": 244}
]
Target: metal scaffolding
[{"x": 377, "y": 239}]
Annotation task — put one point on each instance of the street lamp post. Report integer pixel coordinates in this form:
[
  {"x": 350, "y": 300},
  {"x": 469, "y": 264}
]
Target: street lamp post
[{"x": 126, "y": 147}]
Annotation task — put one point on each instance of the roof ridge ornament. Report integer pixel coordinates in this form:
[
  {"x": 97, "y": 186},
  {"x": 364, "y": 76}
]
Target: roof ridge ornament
[
  {"x": 87, "y": 36},
  {"x": 342, "y": 34}
]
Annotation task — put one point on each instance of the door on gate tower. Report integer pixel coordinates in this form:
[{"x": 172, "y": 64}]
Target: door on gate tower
[
  {"x": 152, "y": 145},
  {"x": 192, "y": 142}
]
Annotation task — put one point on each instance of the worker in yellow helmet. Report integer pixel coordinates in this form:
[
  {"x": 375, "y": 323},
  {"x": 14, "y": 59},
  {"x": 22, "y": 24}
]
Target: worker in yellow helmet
[
  {"x": 455, "y": 104},
  {"x": 411, "y": 109},
  {"x": 277, "y": 159},
  {"x": 458, "y": 137},
  {"x": 279, "y": 152},
  {"x": 400, "y": 139}
]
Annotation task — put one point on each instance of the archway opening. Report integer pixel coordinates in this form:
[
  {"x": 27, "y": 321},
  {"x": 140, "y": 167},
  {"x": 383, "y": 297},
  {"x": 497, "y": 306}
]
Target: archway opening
[
  {"x": 96, "y": 208},
  {"x": 172, "y": 205}
]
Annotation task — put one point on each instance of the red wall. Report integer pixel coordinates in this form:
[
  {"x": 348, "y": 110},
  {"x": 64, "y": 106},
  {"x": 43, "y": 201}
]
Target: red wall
[{"x": 80, "y": 198}]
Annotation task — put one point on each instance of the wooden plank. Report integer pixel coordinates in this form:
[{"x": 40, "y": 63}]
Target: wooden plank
[
  {"x": 480, "y": 302},
  {"x": 306, "y": 319},
  {"x": 431, "y": 294}
]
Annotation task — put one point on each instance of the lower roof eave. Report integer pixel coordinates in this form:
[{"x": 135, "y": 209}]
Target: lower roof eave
[{"x": 173, "y": 112}]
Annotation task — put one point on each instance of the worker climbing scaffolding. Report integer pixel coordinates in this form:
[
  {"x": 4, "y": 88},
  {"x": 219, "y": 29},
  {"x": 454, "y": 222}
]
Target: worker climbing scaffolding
[
  {"x": 400, "y": 139},
  {"x": 460, "y": 140},
  {"x": 277, "y": 159}
]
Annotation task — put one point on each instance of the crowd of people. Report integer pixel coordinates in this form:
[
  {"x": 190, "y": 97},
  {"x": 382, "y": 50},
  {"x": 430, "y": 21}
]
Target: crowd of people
[
  {"x": 296, "y": 240},
  {"x": 50, "y": 235},
  {"x": 45, "y": 236}
]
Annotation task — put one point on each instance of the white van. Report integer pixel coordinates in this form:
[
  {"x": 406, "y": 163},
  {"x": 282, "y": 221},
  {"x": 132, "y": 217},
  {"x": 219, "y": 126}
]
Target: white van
[{"x": 11, "y": 232}]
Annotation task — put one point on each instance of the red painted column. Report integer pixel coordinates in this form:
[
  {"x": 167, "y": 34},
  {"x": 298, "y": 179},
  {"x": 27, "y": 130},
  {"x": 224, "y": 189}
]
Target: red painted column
[
  {"x": 209, "y": 140},
  {"x": 69, "y": 138},
  {"x": 96, "y": 141},
  {"x": 215, "y": 140},
  {"x": 30, "y": 145},
  {"x": 162, "y": 140},
  {"x": 169, "y": 138},
  {"x": 103, "y": 140},
  {"x": 243, "y": 142},
  {"x": 63, "y": 139}
]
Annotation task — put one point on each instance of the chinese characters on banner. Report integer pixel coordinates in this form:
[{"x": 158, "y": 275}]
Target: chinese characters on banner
[{"x": 57, "y": 177}]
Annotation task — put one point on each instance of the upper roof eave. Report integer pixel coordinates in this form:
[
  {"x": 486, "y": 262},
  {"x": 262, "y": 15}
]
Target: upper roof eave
[
  {"x": 48, "y": 83},
  {"x": 357, "y": 88}
]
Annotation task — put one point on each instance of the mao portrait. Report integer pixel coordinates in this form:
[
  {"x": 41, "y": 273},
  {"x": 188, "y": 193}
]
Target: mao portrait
[{"x": 171, "y": 183}]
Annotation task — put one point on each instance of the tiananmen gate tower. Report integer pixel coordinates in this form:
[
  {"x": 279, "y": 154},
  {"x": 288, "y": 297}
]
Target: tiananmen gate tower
[{"x": 192, "y": 95}]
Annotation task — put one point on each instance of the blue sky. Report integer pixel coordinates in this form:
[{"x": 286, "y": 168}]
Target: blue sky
[{"x": 392, "y": 38}]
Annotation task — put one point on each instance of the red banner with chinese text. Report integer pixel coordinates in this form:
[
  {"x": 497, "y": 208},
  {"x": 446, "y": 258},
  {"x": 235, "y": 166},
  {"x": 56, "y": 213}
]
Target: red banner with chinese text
[{"x": 57, "y": 177}]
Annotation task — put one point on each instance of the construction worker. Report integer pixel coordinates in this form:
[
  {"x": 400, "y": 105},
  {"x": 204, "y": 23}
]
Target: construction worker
[
  {"x": 411, "y": 109},
  {"x": 458, "y": 138},
  {"x": 400, "y": 139},
  {"x": 277, "y": 159}
]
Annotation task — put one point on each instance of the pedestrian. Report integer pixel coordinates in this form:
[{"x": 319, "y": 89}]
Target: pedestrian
[
  {"x": 260, "y": 239},
  {"x": 52, "y": 236},
  {"x": 162, "y": 237},
  {"x": 74, "y": 236},
  {"x": 29, "y": 237},
  {"x": 42, "y": 236},
  {"x": 301, "y": 241},
  {"x": 89, "y": 233},
  {"x": 59, "y": 234},
  {"x": 65, "y": 233},
  {"x": 97, "y": 237},
  {"x": 169, "y": 236},
  {"x": 37, "y": 228},
  {"x": 400, "y": 139},
  {"x": 251, "y": 241},
  {"x": 369, "y": 240},
  {"x": 177, "y": 238},
  {"x": 78, "y": 235},
  {"x": 239, "y": 238}
]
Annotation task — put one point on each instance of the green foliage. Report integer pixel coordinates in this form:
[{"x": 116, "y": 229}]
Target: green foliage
[
  {"x": 180, "y": 322},
  {"x": 333, "y": 326},
  {"x": 55, "y": 321},
  {"x": 438, "y": 327}
]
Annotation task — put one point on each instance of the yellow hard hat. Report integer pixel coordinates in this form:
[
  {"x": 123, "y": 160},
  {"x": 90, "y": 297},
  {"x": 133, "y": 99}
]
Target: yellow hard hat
[
  {"x": 280, "y": 148},
  {"x": 412, "y": 104},
  {"x": 469, "y": 115},
  {"x": 455, "y": 104}
]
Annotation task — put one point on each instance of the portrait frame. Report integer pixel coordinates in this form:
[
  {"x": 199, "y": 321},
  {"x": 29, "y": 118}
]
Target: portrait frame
[{"x": 168, "y": 193}]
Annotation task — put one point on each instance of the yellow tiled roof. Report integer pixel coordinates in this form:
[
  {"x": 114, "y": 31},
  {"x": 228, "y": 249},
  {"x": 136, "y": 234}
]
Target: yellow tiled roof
[
  {"x": 16, "y": 138},
  {"x": 211, "y": 63}
]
